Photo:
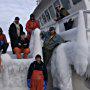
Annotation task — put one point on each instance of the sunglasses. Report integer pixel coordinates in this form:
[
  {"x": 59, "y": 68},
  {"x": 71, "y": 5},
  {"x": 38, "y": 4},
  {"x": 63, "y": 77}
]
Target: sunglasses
[{"x": 58, "y": 6}]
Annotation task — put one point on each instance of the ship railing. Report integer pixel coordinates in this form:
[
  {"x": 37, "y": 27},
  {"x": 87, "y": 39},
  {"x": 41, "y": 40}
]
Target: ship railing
[{"x": 73, "y": 16}]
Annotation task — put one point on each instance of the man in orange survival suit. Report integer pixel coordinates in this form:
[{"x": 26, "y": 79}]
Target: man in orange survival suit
[
  {"x": 37, "y": 75},
  {"x": 32, "y": 24},
  {"x": 22, "y": 46}
]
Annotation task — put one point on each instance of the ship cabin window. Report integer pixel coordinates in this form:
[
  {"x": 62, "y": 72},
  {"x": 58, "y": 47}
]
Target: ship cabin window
[
  {"x": 47, "y": 15},
  {"x": 76, "y": 1},
  {"x": 44, "y": 18},
  {"x": 41, "y": 21},
  {"x": 52, "y": 12},
  {"x": 66, "y": 4}
]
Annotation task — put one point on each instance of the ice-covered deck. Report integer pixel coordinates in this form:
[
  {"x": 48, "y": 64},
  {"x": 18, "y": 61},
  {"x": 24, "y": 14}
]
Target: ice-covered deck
[{"x": 14, "y": 73}]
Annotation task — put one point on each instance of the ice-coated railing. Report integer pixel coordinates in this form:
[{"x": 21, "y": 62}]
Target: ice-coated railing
[
  {"x": 70, "y": 53},
  {"x": 73, "y": 16}
]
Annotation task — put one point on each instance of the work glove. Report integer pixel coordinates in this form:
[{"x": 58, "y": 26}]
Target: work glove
[
  {"x": 45, "y": 85},
  {"x": 1, "y": 43},
  {"x": 28, "y": 83}
]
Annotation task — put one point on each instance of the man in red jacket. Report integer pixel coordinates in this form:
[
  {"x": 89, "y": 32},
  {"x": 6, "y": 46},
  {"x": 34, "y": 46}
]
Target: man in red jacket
[{"x": 32, "y": 24}]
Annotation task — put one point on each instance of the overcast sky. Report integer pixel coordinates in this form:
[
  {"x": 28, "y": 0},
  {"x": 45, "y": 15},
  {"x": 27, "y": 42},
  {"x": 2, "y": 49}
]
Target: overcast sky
[{"x": 9, "y": 9}]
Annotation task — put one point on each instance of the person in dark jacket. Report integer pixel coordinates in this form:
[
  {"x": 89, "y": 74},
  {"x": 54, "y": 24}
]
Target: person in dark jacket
[
  {"x": 61, "y": 12},
  {"x": 22, "y": 46},
  {"x": 15, "y": 31},
  {"x": 51, "y": 41},
  {"x": 37, "y": 75},
  {"x": 3, "y": 42}
]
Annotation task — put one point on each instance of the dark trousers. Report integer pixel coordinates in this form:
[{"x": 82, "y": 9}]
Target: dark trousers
[
  {"x": 47, "y": 55},
  {"x": 4, "y": 47},
  {"x": 13, "y": 45}
]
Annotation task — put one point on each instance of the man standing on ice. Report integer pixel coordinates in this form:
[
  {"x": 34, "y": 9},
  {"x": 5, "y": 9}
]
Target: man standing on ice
[
  {"x": 15, "y": 31},
  {"x": 31, "y": 25},
  {"x": 37, "y": 75},
  {"x": 51, "y": 41}
]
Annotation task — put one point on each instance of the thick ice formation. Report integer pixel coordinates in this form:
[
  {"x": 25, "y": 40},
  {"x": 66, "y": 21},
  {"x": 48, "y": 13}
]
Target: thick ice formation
[
  {"x": 74, "y": 52},
  {"x": 35, "y": 44},
  {"x": 79, "y": 46},
  {"x": 14, "y": 74},
  {"x": 60, "y": 69}
]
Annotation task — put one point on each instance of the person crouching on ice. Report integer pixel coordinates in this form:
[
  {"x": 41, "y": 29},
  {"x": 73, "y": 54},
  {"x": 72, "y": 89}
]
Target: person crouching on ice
[
  {"x": 3, "y": 42},
  {"x": 37, "y": 75},
  {"x": 22, "y": 46}
]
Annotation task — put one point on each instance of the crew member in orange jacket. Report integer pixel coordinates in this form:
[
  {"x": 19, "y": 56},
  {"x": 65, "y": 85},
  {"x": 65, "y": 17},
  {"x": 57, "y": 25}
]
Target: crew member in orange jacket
[
  {"x": 3, "y": 42},
  {"x": 32, "y": 24},
  {"x": 37, "y": 75}
]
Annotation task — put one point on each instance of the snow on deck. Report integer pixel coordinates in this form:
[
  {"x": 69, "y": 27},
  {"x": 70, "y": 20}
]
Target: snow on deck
[{"x": 14, "y": 72}]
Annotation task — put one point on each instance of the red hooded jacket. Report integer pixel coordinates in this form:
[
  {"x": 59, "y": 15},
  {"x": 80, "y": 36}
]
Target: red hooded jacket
[{"x": 32, "y": 25}]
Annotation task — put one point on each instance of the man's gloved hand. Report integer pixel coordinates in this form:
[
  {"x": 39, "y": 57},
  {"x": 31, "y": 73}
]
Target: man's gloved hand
[
  {"x": 28, "y": 83},
  {"x": 1, "y": 43},
  {"x": 45, "y": 85},
  {"x": 29, "y": 32},
  {"x": 19, "y": 44},
  {"x": 67, "y": 41}
]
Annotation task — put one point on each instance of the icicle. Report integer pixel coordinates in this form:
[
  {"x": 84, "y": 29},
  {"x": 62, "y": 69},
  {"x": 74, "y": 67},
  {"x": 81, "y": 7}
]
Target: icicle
[
  {"x": 81, "y": 56},
  {"x": 35, "y": 43},
  {"x": 62, "y": 71}
]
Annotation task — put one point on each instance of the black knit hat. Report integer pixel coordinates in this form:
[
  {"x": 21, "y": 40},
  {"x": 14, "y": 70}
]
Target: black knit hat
[
  {"x": 51, "y": 29},
  {"x": 17, "y": 18},
  {"x": 32, "y": 15},
  {"x": 38, "y": 56},
  {"x": 1, "y": 29}
]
